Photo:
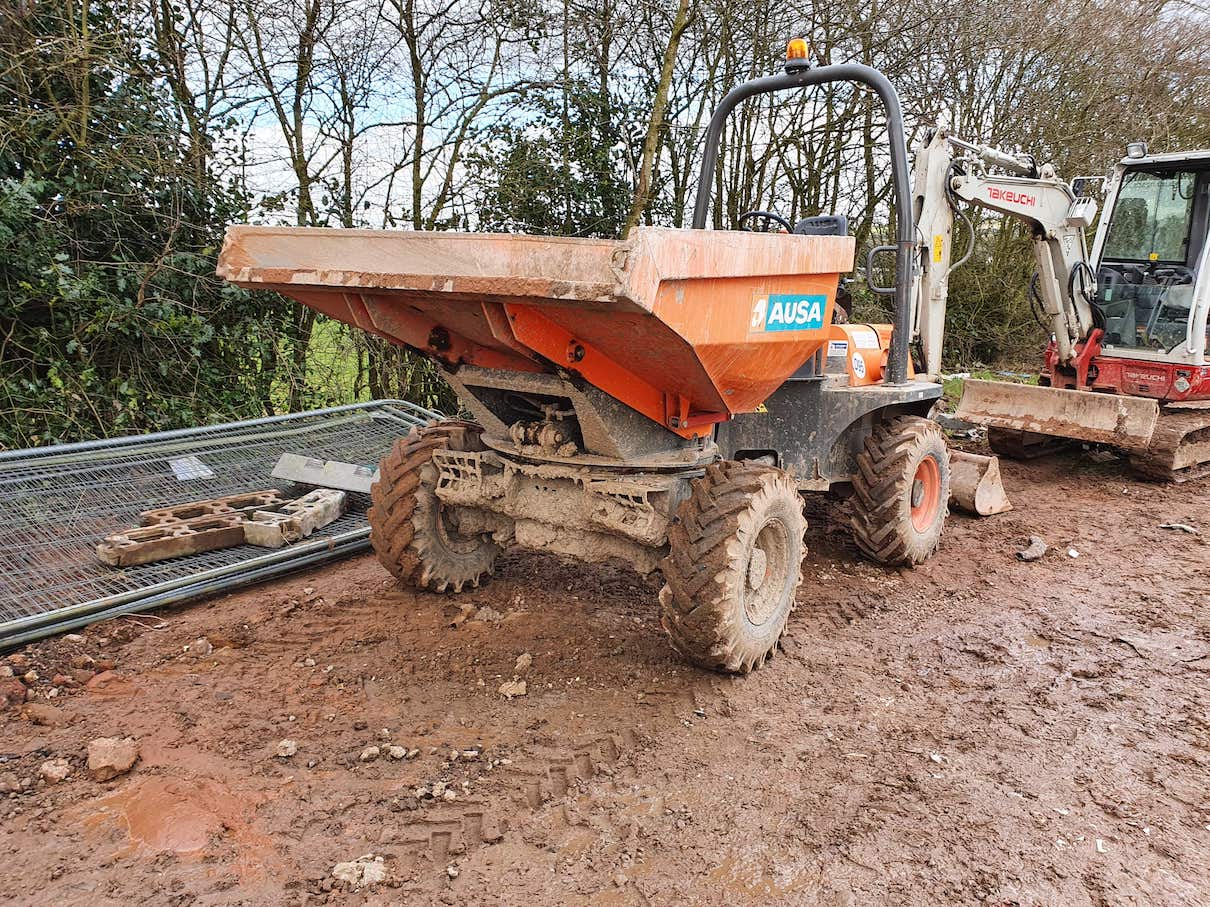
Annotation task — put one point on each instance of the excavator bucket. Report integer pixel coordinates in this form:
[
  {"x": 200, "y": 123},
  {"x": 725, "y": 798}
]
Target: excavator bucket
[
  {"x": 975, "y": 484},
  {"x": 1119, "y": 420}
]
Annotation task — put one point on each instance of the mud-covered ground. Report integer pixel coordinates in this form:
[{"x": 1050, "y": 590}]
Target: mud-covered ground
[{"x": 978, "y": 730}]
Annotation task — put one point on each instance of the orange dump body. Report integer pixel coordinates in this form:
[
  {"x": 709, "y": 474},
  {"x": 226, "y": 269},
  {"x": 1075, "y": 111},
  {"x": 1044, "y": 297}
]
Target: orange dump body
[{"x": 686, "y": 326}]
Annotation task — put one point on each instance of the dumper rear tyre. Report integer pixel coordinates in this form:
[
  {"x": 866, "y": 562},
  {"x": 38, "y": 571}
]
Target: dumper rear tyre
[
  {"x": 412, "y": 533},
  {"x": 901, "y": 491},
  {"x": 733, "y": 567}
]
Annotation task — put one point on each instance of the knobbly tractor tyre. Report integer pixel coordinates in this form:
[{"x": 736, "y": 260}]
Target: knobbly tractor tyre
[
  {"x": 414, "y": 536},
  {"x": 734, "y": 566},
  {"x": 901, "y": 491}
]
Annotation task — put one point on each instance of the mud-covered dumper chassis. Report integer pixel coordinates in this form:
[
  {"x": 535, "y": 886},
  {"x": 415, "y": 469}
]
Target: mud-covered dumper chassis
[{"x": 662, "y": 399}]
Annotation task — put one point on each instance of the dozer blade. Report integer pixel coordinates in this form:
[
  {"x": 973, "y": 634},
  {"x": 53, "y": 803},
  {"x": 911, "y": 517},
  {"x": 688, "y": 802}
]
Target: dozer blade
[
  {"x": 1121, "y": 421},
  {"x": 975, "y": 484}
]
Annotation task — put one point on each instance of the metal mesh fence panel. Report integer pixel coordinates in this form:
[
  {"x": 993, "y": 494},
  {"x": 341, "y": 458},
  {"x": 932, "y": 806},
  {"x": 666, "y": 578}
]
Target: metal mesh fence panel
[{"x": 57, "y": 503}]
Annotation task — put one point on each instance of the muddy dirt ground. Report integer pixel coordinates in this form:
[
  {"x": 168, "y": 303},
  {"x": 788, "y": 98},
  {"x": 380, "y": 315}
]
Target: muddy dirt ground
[{"x": 978, "y": 730}]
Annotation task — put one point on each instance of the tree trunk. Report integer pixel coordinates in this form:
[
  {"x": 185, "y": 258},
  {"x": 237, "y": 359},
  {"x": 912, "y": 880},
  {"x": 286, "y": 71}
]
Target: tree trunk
[{"x": 642, "y": 194}]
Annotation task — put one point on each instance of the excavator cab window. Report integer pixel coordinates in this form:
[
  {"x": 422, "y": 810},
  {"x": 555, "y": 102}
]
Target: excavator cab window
[
  {"x": 1152, "y": 217},
  {"x": 1147, "y": 272}
]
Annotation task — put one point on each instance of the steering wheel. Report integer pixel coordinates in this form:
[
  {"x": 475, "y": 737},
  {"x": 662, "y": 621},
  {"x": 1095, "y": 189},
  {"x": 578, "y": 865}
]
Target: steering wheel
[{"x": 768, "y": 217}]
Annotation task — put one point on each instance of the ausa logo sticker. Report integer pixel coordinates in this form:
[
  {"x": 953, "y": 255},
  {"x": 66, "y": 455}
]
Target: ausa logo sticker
[{"x": 788, "y": 312}]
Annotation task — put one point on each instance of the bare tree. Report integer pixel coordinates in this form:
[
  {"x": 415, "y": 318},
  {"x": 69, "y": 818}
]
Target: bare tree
[{"x": 659, "y": 104}]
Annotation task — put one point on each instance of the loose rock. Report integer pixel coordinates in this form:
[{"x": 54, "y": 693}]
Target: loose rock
[
  {"x": 286, "y": 748},
  {"x": 12, "y": 692},
  {"x": 524, "y": 660},
  {"x": 43, "y": 714},
  {"x": 373, "y": 872},
  {"x": 512, "y": 688},
  {"x": 1037, "y": 548},
  {"x": 52, "y": 771},
  {"x": 370, "y": 753},
  {"x": 201, "y": 647},
  {"x": 364, "y": 871},
  {"x": 397, "y": 752},
  {"x": 109, "y": 757}
]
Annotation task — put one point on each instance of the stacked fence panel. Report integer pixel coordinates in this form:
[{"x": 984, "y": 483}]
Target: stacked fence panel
[{"x": 57, "y": 503}]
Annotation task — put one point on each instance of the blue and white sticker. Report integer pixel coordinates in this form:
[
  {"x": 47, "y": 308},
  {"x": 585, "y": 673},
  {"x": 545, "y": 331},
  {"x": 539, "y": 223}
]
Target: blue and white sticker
[{"x": 788, "y": 312}]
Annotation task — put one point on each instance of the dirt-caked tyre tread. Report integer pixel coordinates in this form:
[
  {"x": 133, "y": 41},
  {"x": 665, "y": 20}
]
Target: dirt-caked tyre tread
[
  {"x": 404, "y": 513},
  {"x": 710, "y": 541},
  {"x": 881, "y": 520}
]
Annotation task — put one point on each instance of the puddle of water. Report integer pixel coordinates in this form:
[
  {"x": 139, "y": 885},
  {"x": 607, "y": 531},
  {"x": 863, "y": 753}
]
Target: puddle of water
[{"x": 181, "y": 816}]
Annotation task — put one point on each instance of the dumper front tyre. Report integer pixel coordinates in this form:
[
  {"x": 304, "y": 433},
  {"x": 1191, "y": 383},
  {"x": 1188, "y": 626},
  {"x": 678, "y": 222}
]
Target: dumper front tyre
[
  {"x": 733, "y": 567},
  {"x": 901, "y": 491},
  {"x": 413, "y": 534}
]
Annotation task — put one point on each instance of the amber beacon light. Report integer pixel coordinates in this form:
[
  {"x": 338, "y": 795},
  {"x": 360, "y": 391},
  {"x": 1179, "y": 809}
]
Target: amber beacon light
[{"x": 797, "y": 55}]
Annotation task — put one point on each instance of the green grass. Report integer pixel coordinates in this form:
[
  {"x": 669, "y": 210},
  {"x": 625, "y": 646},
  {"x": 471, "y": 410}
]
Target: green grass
[{"x": 952, "y": 387}]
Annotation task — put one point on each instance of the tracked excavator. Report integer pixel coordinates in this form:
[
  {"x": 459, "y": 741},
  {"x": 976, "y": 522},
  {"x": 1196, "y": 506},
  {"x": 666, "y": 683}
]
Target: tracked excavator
[{"x": 1126, "y": 364}]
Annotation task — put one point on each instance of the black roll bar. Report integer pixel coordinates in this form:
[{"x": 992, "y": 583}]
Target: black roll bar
[{"x": 897, "y": 357}]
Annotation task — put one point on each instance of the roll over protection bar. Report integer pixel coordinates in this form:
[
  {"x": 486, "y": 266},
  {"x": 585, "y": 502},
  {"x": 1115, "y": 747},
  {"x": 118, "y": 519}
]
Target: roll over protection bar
[{"x": 897, "y": 357}]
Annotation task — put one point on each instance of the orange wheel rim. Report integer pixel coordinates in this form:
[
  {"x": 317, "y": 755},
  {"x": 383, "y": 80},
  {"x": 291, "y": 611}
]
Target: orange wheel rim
[{"x": 926, "y": 493}]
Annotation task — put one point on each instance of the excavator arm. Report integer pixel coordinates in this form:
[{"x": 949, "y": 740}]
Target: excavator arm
[{"x": 949, "y": 171}]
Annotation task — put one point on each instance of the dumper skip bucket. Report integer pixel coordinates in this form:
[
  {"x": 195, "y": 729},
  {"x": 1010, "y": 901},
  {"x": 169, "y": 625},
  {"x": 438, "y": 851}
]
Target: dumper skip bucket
[{"x": 686, "y": 326}]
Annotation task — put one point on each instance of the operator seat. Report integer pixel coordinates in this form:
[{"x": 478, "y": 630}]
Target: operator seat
[{"x": 823, "y": 225}]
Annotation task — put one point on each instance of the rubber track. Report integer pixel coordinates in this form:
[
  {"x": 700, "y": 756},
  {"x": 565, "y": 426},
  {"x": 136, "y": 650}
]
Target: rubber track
[
  {"x": 1174, "y": 429},
  {"x": 1022, "y": 445},
  {"x": 696, "y": 598},
  {"x": 881, "y": 524}
]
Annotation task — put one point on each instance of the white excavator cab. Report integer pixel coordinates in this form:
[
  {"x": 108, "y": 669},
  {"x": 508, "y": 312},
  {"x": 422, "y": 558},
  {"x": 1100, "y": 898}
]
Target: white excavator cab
[{"x": 1151, "y": 253}]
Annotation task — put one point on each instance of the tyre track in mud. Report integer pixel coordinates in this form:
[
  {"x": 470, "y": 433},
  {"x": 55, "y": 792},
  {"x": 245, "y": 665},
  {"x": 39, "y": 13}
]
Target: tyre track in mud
[{"x": 963, "y": 732}]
